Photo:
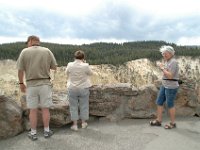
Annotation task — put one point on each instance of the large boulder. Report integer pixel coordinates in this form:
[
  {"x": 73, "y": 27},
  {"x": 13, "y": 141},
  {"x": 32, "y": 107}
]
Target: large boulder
[{"x": 10, "y": 117}]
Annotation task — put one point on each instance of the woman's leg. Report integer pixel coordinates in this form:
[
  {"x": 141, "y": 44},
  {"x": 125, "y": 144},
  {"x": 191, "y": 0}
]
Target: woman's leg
[
  {"x": 84, "y": 104},
  {"x": 172, "y": 113},
  {"x": 160, "y": 101},
  {"x": 73, "y": 105},
  {"x": 170, "y": 97},
  {"x": 159, "y": 113}
]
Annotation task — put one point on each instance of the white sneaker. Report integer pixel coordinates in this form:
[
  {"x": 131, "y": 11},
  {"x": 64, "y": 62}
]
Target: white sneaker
[
  {"x": 74, "y": 127},
  {"x": 84, "y": 125}
]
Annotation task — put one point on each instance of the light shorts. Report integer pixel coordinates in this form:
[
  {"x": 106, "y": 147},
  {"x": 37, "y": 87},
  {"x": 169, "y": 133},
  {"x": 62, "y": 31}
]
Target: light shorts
[
  {"x": 39, "y": 96},
  {"x": 168, "y": 95}
]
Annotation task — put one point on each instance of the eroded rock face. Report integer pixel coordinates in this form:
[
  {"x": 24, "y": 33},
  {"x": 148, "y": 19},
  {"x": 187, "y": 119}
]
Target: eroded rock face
[
  {"x": 138, "y": 72},
  {"x": 10, "y": 117},
  {"x": 143, "y": 72}
]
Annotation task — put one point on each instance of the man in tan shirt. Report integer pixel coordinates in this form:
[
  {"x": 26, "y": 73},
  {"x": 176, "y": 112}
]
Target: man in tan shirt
[{"x": 34, "y": 64}]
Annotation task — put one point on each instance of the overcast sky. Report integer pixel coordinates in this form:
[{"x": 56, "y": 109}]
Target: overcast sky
[{"x": 88, "y": 21}]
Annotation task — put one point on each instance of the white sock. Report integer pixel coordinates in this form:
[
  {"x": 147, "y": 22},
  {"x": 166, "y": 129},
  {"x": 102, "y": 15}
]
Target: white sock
[
  {"x": 46, "y": 129},
  {"x": 33, "y": 131}
]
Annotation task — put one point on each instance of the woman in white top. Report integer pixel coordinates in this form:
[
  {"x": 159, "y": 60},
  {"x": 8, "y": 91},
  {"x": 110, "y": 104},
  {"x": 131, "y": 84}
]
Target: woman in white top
[{"x": 78, "y": 73}]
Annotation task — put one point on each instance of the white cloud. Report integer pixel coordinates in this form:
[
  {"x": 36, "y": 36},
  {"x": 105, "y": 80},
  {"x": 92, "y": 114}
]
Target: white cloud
[
  {"x": 169, "y": 8},
  {"x": 189, "y": 41},
  {"x": 10, "y": 39},
  {"x": 79, "y": 41},
  {"x": 86, "y": 21},
  {"x": 65, "y": 7},
  {"x": 78, "y": 7}
]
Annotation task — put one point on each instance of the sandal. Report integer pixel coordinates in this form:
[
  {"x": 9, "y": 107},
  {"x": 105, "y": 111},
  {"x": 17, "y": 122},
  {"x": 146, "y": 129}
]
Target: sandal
[
  {"x": 170, "y": 126},
  {"x": 155, "y": 123}
]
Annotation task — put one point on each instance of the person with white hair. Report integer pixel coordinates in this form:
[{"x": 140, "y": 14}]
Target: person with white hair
[{"x": 169, "y": 87}]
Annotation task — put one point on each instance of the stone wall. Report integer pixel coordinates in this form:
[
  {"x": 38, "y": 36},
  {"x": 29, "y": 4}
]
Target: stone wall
[
  {"x": 122, "y": 100},
  {"x": 113, "y": 101}
]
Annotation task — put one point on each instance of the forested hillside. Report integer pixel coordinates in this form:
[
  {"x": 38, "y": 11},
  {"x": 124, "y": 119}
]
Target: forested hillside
[{"x": 102, "y": 53}]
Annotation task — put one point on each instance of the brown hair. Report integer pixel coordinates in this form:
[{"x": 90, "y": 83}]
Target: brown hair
[
  {"x": 79, "y": 54},
  {"x": 32, "y": 37}
]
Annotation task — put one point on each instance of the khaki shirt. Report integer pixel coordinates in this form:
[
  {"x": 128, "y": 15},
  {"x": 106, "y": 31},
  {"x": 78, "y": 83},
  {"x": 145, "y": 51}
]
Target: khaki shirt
[{"x": 36, "y": 62}]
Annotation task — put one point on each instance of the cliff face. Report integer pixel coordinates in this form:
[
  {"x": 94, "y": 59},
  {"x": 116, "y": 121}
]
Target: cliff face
[
  {"x": 142, "y": 71},
  {"x": 137, "y": 72}
]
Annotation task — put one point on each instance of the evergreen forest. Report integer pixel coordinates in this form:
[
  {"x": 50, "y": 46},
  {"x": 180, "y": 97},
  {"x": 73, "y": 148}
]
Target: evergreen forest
[{"x": 102, "y": 53}]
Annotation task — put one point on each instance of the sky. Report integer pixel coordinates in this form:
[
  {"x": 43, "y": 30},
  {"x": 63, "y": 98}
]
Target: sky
[{"x": 89, "y": 21}]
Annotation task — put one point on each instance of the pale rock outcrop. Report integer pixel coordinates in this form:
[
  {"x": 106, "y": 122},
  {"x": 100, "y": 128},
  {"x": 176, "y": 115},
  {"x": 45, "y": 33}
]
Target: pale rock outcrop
[{"x": 143, "y": 71}]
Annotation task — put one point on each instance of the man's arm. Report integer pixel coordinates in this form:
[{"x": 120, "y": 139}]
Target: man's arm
[
  {"x": 53, "y": 65},
  {"x": 21, "y": 80},
  {"x": 21, "y": 76}
]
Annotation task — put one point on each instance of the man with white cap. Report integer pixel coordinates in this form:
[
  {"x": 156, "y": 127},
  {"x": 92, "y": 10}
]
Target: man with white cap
[{"x": 169, "y": 87}]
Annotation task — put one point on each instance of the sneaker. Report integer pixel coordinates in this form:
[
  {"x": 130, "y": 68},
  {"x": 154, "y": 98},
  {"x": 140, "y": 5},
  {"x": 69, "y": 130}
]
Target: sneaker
[
  {"x": 74, "y": 127},
  {"x": 33, "y": 137},
  {"x": 48, "y": 134},
  {"x": 84, "y": 125}
]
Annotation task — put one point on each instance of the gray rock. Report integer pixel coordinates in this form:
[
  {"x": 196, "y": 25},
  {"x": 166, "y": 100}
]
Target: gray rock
[{"x": 10, "y": 117}]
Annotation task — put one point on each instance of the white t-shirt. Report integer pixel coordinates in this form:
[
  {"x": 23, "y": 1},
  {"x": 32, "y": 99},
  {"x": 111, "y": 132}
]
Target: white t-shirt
[{"x": 78, "y": 74}]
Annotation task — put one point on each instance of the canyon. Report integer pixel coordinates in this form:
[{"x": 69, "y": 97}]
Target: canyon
[{"x": 125, "y": 91}]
